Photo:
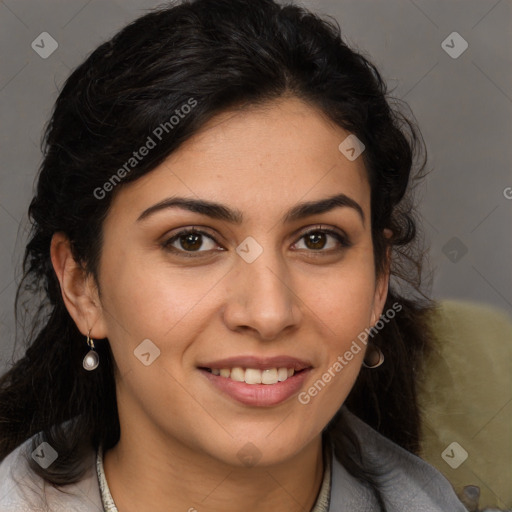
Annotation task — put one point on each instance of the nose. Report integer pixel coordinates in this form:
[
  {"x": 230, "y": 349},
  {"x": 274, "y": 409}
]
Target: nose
[{"x": 261, "y": 298}]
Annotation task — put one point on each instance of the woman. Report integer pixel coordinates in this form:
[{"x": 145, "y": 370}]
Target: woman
[{"x": 224, "y": 196}]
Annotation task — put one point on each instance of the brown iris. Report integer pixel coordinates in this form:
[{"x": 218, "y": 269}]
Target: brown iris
[
  {"x": 317, "y": 240},
  {"x": 191, "y": 241}
]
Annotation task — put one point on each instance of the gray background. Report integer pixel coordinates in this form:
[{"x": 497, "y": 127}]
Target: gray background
[{"x": 463, "y": 106}]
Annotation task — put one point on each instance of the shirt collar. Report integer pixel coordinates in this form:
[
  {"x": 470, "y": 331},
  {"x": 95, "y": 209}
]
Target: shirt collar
[
  {"x": 321, "y": 504},
  {"x": 106, "y": 498}
]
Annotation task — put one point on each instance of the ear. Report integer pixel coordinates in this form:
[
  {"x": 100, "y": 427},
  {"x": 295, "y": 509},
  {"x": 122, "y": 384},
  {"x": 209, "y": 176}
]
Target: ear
[
  {"x": 79, "y": 291},
  {"x": 382, "y": 285}
]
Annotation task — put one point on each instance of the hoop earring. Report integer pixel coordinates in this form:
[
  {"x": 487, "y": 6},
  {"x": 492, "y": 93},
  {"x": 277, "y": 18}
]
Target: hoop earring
[
  {"x": 91, "y": 359},
  {"x": 372, "y": 361}
]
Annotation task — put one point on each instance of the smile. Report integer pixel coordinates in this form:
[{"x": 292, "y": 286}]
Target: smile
[{"x": 257, "y": 381}]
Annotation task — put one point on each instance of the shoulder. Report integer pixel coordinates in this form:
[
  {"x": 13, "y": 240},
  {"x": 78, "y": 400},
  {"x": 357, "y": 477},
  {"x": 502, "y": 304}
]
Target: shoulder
[
  {"x": 406, "y": 481},
  {"x": 21, "y": 489}
]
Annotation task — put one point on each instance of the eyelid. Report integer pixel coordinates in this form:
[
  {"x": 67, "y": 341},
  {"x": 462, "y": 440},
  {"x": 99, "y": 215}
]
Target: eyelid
[{"x": 322, "y": 227}]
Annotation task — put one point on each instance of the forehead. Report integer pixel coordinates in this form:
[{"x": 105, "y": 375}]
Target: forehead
[{"x": 261, "y": 160}]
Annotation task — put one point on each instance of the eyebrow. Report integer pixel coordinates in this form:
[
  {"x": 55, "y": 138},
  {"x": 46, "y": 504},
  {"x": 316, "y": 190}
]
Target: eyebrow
[{"x": 234, "y": 216}]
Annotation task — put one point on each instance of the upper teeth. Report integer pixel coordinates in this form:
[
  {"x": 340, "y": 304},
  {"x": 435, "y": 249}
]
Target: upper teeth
[{"x": 255, "y": 376}]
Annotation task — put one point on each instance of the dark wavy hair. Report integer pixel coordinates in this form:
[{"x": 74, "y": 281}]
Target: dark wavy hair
[{"x": 224, "y": 54}]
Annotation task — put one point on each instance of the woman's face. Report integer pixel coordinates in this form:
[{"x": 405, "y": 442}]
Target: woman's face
[{"x": 248, "y": 290}]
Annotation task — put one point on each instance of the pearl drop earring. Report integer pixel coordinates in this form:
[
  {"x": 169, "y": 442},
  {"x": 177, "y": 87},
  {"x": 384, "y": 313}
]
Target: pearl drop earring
[{"x": 91, "y": 359}]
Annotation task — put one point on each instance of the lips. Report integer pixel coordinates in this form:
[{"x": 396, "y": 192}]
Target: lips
[{"x": 257, "y": 381}]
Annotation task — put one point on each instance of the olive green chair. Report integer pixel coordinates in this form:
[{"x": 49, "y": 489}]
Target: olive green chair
[{"x": 465, "y": 394}]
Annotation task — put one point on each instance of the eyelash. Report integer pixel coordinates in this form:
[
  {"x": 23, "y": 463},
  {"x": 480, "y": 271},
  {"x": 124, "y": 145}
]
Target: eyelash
[{"x": 343, "y": 241}]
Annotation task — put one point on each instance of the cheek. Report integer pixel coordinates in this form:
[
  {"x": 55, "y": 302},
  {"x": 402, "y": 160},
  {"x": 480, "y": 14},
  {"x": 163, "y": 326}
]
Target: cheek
[
  {"x": 342, "y": 355},
  {"x": 141, "y": 302},
  {"x": 150, "y": 298},
  {"x": 343, "y": 300},
  {"x": 148, "y": 302},
  {"x": 165, "y": 304},
  {"x": 343, "y": 310}
]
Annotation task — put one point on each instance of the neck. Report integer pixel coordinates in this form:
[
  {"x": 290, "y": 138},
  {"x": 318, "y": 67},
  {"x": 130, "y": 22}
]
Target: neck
[{"x": 174, "y": 477}]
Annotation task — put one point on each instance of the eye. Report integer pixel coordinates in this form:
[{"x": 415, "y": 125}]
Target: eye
[
  {"x": 317, "y": 240},
  {"x": 190, "y": 241}
]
